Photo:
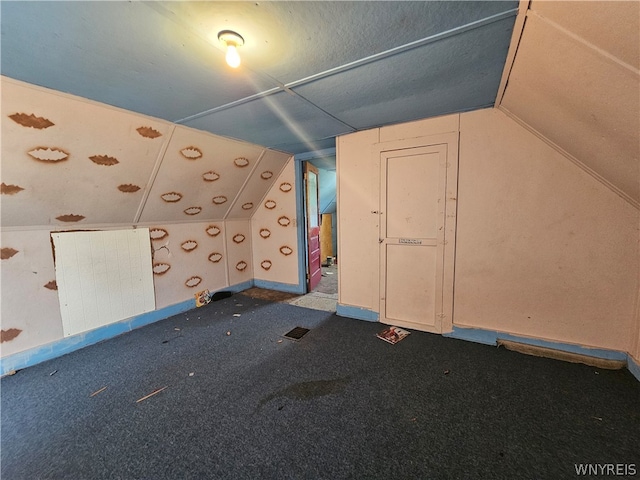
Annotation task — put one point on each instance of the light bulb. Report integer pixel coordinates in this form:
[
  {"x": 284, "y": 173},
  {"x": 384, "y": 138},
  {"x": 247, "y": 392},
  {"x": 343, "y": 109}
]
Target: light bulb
[
  {"x": 232, "y": 57},
  {"x": 231, "y": 41}
]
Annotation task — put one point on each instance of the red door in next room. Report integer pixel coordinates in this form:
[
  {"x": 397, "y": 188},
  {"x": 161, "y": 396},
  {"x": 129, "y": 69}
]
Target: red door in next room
[{"x": 314, "y": 266}]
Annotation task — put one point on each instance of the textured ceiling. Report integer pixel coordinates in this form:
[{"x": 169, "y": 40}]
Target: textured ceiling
[{"x": 311, "y": 70}]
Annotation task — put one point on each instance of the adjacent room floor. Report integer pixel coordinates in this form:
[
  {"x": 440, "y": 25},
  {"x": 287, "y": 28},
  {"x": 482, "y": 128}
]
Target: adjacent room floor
[
  {"x": 323, "y": 297},
  {"x": 218, "y": 392}
]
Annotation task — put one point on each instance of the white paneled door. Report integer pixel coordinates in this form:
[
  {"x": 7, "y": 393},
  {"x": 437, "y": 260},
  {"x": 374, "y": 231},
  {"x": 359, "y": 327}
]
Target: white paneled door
[{"x": 415, "y": 290}]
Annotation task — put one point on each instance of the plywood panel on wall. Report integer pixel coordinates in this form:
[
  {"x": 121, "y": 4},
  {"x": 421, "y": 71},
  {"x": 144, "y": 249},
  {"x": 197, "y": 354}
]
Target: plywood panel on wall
[
  {"x": 578, "y": 96},
  {"x": 543, "y": 249},
  {"x": 420, "y": 128},
  {"x": 326, "y": 237},
  {"x": 605, "y": 25},
  {"x": 274, "y": 232},
  {"x": 358, "y": 184},
  {"x": 102, "y": 277}
]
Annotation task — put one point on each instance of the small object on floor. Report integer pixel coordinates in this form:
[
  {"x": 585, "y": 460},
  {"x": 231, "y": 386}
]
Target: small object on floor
[
  {"x": 236, "y": 314},
  {"x": 177, "y": 329},
  {"x": 392, "y": 334},
  {"x": 192, "y": 374},
  {"x": 238, "y": 304},
  {"x": 279, "y": 341},
  {"x": 53, "y": 373},
  {"x": 155, "y": 392},
  {"x": 12, "y": 372},
  {"x": 202, "y": 298},
  {"x": 219, "y": 296},
  {"x": 98, "y": 391},
  {"x": 228, "y": 333},
  {"x": 297, "y": 333},
  {"x": 329, "y": 273},
  {"x": 446, "y": 372}
]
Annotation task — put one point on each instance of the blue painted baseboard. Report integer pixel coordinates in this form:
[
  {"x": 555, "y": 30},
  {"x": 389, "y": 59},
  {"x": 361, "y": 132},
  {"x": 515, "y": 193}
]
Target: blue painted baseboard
[
  {"x": 634, "y": 367},
  {"x": 281, "y": 287},
  {"x": 60, "y": 347},
  {"x": 52, "y": 350},
  {"x": 239, "y": 287},
  {"x": 40, "y": 354},
  {"x": 490, "y": 337},
  {"x": 358, "y": 313},
  {"x": 477, "y": 335}
]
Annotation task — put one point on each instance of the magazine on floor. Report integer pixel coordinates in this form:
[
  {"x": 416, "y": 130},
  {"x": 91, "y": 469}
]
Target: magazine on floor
[{"x": 393, "y": 334}]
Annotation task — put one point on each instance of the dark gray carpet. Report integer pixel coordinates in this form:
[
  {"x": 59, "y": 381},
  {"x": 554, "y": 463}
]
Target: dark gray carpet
[{"x": 340, "y": 403}]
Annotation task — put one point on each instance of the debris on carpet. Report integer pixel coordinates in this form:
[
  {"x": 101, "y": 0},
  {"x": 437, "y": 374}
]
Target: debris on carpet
[{"x": 392, "y": 334}]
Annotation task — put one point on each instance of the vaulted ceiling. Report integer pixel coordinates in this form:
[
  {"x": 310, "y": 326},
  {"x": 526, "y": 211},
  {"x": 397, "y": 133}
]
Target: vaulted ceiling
[
  {"x": 310, "y": 70},
  {"x": 568, "y": 71}
]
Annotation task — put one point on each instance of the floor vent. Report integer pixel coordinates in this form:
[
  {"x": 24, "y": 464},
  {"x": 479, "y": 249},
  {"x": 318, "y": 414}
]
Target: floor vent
[{"x": 297, "y": 333}]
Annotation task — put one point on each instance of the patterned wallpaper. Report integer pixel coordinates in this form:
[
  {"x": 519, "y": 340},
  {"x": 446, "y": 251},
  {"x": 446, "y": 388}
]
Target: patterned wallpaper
[
  {"x": 68, "y": 164},
  {"x": 66, "y": 161},
  {"x": 274, "y": 227}
]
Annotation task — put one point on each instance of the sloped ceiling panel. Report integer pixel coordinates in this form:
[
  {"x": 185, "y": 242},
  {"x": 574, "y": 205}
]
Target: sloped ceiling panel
[
  {"x": 68, "y": 161},
  {"x": 611, "y": 26},
  {"x": 265, "y": 120},
  {"x": 454, "y": 74},
  {"x": 261, "y": 180},
  {"x": 572, "y": 84},
  {"x": 200, "y": 177}
]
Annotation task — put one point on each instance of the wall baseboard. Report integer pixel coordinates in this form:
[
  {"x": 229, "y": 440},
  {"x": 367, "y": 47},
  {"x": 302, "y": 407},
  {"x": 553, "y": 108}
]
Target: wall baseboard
[
  {"x": 633, "y": 366},
  {"x": 597, "y": 357},
  {"x": 477, "y": 335},
  {"x": 358, "y": 313},
  {"x": 33, "y": 356},
  {"x": 280, "y": 287},
  {"x": 565, "y": 356}
]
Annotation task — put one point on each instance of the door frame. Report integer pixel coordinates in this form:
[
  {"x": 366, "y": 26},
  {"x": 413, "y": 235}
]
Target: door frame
[
  {"x": 310, "y": 168},
  {"x": 301, "y": 209},
  {"x": 450, "y": 213}
]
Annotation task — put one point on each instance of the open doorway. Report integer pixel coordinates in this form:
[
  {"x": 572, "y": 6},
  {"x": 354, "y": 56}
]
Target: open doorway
[{"x": 320, "y": 210}]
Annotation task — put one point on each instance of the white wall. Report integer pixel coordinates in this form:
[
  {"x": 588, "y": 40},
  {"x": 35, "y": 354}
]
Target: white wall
[
  {"x": 357, "y": 227},
  {"x": 543, "y": 248}
]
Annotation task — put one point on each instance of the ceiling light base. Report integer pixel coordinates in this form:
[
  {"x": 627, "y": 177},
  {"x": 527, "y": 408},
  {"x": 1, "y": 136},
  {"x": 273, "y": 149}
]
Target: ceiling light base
[{"x": 229, "y": 37}]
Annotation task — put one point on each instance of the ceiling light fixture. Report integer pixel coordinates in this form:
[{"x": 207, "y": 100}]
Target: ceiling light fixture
[{"x": 232, "y": 40}]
